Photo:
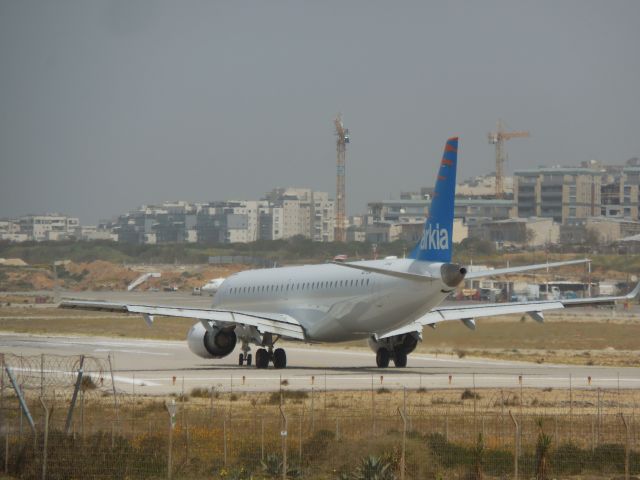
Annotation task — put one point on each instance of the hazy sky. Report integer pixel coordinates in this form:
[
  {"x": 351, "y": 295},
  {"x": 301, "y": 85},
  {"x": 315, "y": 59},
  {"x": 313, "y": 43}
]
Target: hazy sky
[{"x": 106, "y": 105}]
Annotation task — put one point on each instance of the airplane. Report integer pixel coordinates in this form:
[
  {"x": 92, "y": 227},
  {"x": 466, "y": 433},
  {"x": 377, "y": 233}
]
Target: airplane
[
  {"x": 387, "y": 302},
  {"x": 212, "y": 286}
]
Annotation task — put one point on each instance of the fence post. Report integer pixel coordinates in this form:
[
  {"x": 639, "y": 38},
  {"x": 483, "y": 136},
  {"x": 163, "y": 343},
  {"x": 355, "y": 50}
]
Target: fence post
[
  {"x": 24, "y": 409},
  {"x": 300, "y": 439},
  {"x": 172, "y": 409},
  {"x": 46, "y": 439},
  {"x": 283, "y": 434},
  {"x": 446, "y": 425},
  {"x": 74, "y": 397},
  {"x": 313, "y": 417},
  {"x": 517, "y": 445},
  {"x": 42, "y": 375},
  {"x": 224, "y": 440},
  {"x": 373, "y": 410},
  {"x": 113, "y": 388},
  {"x": 627, "y": 447},
  {"x": 262, "y": 439},
  {"x": 403, "y": 415},
  {"x": 570, "y": 410}
]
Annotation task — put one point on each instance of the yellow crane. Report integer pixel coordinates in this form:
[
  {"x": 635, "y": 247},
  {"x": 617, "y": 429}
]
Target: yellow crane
[{"x": 498, "y": 138}]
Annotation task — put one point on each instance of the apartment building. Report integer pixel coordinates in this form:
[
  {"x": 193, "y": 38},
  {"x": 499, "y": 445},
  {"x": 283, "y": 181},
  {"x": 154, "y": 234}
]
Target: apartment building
[
  {"x": 472, "y": 210},
  {"x": 283, "y": 213},
  {"x": 48, "y": 227},
  {"x": 562, "y": 193}
]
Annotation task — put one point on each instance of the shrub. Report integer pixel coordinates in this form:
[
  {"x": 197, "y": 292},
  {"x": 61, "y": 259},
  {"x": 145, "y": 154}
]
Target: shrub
[
  {"x": 200, "y": 392},
  {"x": 608, "y": 457},
  {"x": 295, "y": 395},
  {"x": 469, "y": 395},
  {"x": 374, "y": 468},
  {"x": 568, "y": 459},
  {"x": 543, "y": 445}
]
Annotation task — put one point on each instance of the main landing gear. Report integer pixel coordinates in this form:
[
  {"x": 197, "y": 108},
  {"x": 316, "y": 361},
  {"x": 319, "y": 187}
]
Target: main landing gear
[
  {"x": 383, "y": 356},
  {"x": 277, "y": 356},
  {"x": 395, "y": 348}
]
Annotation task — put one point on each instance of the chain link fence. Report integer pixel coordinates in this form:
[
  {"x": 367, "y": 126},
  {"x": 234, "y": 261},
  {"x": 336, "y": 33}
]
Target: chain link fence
[{"x": 85, "y": 428}]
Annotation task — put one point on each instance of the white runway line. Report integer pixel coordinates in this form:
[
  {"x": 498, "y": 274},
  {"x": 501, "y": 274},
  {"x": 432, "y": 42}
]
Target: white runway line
[
  {"x": 142, "y": 382},
  {"x": 140, "y": 352}
]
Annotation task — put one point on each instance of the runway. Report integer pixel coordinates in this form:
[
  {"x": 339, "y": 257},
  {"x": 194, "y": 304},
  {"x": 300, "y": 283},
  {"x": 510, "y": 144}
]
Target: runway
[{"x": 161, "y": 367}]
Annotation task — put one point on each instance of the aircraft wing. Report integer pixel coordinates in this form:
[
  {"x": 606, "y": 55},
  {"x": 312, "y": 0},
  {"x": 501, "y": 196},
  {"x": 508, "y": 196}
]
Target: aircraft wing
[
  {"x": 275, "y": 323},
  {"x": 523, "y": 268},
  {"x": 535, "y": 309}
]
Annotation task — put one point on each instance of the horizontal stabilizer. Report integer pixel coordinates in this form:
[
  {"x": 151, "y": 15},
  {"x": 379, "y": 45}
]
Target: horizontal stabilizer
[{"x": 523, "y": 268}]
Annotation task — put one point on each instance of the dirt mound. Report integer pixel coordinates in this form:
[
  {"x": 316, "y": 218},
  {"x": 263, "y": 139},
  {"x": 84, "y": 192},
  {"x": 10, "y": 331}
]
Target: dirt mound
[
  {"x": 99, "y": 275},
  {"x": 102, "y": 275}
]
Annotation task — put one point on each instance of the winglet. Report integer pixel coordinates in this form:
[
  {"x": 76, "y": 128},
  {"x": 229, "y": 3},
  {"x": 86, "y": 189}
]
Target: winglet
[
  {"x": 633, "y": 293},
  {"x": 437, "y": 238}
]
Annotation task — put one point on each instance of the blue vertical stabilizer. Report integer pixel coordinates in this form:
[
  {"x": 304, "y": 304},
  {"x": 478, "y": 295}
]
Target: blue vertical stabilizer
[{"x": 437, "y": 239}]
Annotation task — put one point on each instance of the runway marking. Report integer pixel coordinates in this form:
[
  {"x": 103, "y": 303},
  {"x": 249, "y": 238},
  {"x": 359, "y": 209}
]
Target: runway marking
[
  {"x": 367, "y": 379},
  {"x": 141, "y": 352},
  {"x": 142, "y": 382}
]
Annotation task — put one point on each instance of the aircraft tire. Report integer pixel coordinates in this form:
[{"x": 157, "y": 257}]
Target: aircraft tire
[
  {"x": 279, "y": 358},
  {"x": 241, "y": 359},
  {"x": 248, "y": 360},
  {"x": 262, "y": 358},
  {"x": 400, "y": 358},
  {"x": 382, "y": 358}
]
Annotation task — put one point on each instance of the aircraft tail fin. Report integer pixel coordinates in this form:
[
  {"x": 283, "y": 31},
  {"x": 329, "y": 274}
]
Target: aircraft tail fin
[{"x": 437, "y": 239}]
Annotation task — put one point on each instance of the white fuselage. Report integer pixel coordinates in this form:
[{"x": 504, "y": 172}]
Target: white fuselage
[{"x": 335, "y": 303}]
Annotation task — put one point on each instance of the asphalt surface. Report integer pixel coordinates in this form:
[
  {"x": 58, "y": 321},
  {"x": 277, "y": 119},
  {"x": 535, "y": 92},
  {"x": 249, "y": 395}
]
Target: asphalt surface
[
  {"x": 150, "y": 366},
  {"x": 161, "y": 367}
]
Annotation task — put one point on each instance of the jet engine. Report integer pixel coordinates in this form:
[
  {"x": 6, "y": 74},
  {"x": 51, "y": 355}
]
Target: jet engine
[{"x": 218, "y": 344}]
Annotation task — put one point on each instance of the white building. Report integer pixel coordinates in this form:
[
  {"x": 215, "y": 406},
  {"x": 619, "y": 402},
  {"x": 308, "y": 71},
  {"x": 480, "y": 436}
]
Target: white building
[{"x": 48, "y": 227}]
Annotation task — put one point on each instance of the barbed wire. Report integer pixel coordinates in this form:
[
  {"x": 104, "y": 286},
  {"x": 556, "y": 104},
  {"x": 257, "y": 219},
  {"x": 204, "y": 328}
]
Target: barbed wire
[{"x": 58, "y": 371}]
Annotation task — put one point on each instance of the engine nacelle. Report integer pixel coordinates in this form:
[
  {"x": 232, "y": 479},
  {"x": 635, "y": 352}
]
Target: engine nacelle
[
  {"x": 407, "y": 342},
  {"x": 206, "y": 345}
]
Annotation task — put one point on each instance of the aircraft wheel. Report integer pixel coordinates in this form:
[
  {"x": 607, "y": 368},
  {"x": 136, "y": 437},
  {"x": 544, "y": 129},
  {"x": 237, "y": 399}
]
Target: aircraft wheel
[
  {"x": 400, "y": 358},
  {"x": 382, "y": 358},
  {"x": 279, "y": 358},
  {"x": 241, "y": 359},
  {"x": 248, "y": 359},
  {"x": 262, "y": 358}
]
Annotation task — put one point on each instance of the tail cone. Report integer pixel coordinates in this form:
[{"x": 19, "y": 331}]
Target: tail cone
[{"x": 452, "y": 274}]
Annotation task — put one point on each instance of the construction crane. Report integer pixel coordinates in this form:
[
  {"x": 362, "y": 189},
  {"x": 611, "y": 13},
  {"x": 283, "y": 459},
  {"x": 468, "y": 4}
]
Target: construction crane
[
  {"x": 342, "y": 135},
  {"x": 498, "y": 138},
  {"x": 342, "y": 139}
]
